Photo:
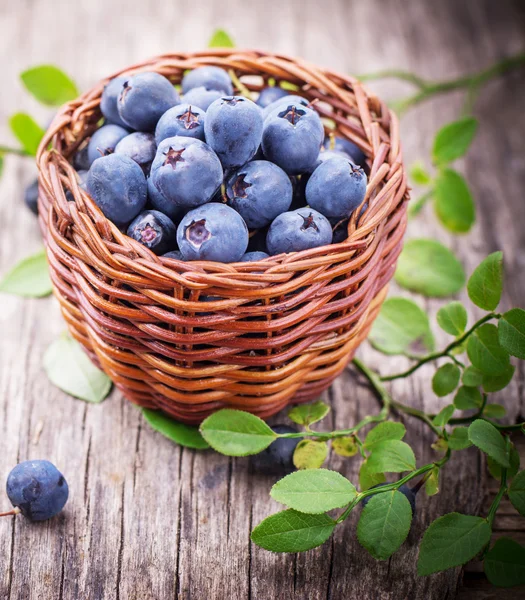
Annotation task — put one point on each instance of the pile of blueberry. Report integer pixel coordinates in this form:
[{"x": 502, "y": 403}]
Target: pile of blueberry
[{"x": 215, "y": 176}]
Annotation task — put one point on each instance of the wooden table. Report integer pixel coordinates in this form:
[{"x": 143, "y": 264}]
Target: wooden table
[{"x": 147, "y": 519}]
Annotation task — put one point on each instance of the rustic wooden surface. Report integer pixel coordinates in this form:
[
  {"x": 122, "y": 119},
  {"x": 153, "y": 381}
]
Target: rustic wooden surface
[{"x": 147, "y": 519}]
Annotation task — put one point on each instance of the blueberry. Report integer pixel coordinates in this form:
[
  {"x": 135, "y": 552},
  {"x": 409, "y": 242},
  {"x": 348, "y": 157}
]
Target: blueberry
[
  {"x": 183, "y": 120},
  {"x": 292, "y": 137},
  {"x": 31, "y": 196},
  {"x": 38, "y": 489},
  {"x": 325, "y": 155},
  {"x": 254, "y": 256},
  {"x": 175, "y": 254},
  {"x": 259, "y": 191},
  {"x": 201, "y": 97},
  {"x": 257, "y": 242},
  {"x": 336, "y": 188},
  {"x": 144, "y": 98},
  {"x": 289, "y": 99},
  {"x": 268, "y": 95},
  {"x": 340, "y": 230},
  {"x": 159, "y": 202},
  {"x": 118, "y": 186},
  {"x": 404, "y": 489},
  {"x": 213, "y": 232},
  {"x": 104, "y": 141},
  {"x": 233, "y": 129},
  {"x": 210, "y": 78},
  {"x": 108, "y": 101},
  {"x": 297, "y": 230},
  {"x": 81, "y": 159},
  {"x": 140, "y": 147},
  {"x": 278, "y": 457},
  {"x": 186, "y": 172},
  {"x": 348, "y": 147},
  {"x": 154, "y": 230}
]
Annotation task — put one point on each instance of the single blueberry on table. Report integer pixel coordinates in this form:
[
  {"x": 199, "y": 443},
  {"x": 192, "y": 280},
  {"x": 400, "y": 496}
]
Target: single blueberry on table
[
  {"x": 270, "y": 94},
  {"x": 31, "y": 196},
  {"x": 108, "y": 101},
  {"x": 298, "y": 230},
  {"x": 343, "y": 145},
  {"x": 292, "y": 138},
  {"x": 278, "y": 457},
  {"x": 210, "y": 78},
  {"x": 144, "y": 98},
  {"x": 254, "y": 256},
  {"x": 409, "y": 492},
  {"x": 38, "y": 489},
  {"x": 233, "y": 128},
  {"x": 259, "y": 191},
  {"x": 213, "y": 232},
  {"x": 104, "y": 141},
  {"x": 118, "y": 186},
  {"x": 336, "y": 187},
  {"x": 184, "y": 120},
  {"x": 154, "y": 230},
  {"x": 201, "y": 97},
  {"x": 186, "y": 172},
  {"x": 140, "y": 147},
  {"x": 285, "y": 101}
]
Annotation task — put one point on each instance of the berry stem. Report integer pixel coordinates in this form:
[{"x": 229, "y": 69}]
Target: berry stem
[
  {"x": 17, "y": 151},
  {"x": 11, "y": 513}
]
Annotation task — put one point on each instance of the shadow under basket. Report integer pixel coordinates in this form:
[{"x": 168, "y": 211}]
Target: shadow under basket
[{"x": 193, "y": 337}]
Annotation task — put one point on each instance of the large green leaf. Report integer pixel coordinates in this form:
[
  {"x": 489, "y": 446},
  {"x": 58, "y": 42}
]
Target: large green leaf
[
  {"x": 452, "y": 318},
  {"x": 517, "y": 493},
  {"x": 27, "y": 131},
  {"x": 488, "y": 439},
  {"x": 308, "y": 414},
  {"x": 368, "y": 479},
  {"x": 495, "y": 383},
  {"x": 310, "y": 454},
  {"x": 181, "y": 434},
  {"x": 486, "y": 282},
  {"x": 453, "y": 140},
  {"x": 444, "y": 415},
  {"x": 29, "y": 278},
  {"x": 221, "y": 39},
  {"x": 453, "y": 202},
  {"x": 467, "y": 398},
  {"x": 504, "y": 564},
  {"x": 511, "y": 330},
  {"x": 49, "y": 85},
  {"x": 514, "y": 460},
  {"x": 446, "y": 379},
  {"x": 458, "y": 439},
  {"x": 472, "y": 377},
  {"x": 485, "y": 351},
  {"x": 391, "y": 456},
  {"x": 387, "y": 430}
]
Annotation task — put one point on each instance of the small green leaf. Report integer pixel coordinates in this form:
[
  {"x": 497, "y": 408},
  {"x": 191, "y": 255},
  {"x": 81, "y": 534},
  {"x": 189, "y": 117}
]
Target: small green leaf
[
  {"x": 1, "y": 164},
  {"x": 495, "y": 383},
  {"x": 49, "y": 85},
  {"x": 181, "y": 434},
  {"x": 516, "y": 493},
  {"x": 368, "y": 479},
  {"x": 504, "y": 563},
  {"x": 458, "y": 439},
  {"x": 427, "y": 267},
  {"x": 432, "y": 482},
  {"x": 391, "y": 456},
  {"x": 472, "y": 377},
  {"x": 489, "y": 440},
  {"x": 467, "y": 398},
  {"x": 514, "y": 460},
  {"x": 236, "y": 433},
  {"x": 400, "y": 323},
  {"x": 314, "y": 491},
  {"x": 486, "y": 282},
  {"x": 70, "y": 369},
  {"x": 384, "y": 524},
  {"x": 511, "y": 330},
  {"x": 446, "y": 379},
  {"x": 453, "y": 318},
  {"x": 419, "y": 174},
  {"x": 220, "y": 39},
  {"x": 307, "y": 414},
  {"x": 345, "y": 446},
  {"x": 292, "y": 531},
  {"x": 494, "y": 411},
  {"x": 27, "y": 131},
  {"x": 444, "y": 415},
  {"x": 453, "y": 202},
  {"x": 387, "y": 430},
  {"x": 453, "y": 140},
  {"x": 29, "y": 278},
  {"x": 485, "y": 351},
  {"x": 309, "y": 454},
  {"x": 451, "y": 541}
]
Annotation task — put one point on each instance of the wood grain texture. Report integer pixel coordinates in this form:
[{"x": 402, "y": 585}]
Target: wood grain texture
[{"x": 146, "y": 519}]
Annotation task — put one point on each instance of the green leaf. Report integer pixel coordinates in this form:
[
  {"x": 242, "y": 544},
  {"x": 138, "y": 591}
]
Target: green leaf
[
  {"x": 391, "y": 456},
  {"x": 49, "y": 85},
  {"x": 485, "y": 351},
  {"x": 494, "y": 411},
  {"x": 472, "y": 377},
  {"x": 453, "y": 140},
  {"x": 1, "y": 164},
  {"x": 495, "y": 383},
  {"x": 387, "y": 430},
  {"x": 444, "y": 415},
  {"x": 453, "y": 318},
  {"x": 399, "y": 324},
  {"x": 489, "y": 440},
  {"x": 511, "y": 330},
  {"x": 181, "y": 434},
  {"x": 516, "y": 493},
  {"x": 292, "y": 531},
  {"x": 458, "y": 439},
  {"x": 345, "y": 446},
  {"x": 419, "y": 174},
  {"x": 467, "y": 398},
  {"x": 307, "y": 414},
  {"x": 29, "y": 278},
  {"x": 314, "y": 491},
  {"x": 309, "y": 454},
  {"x": 453, "y": 202},
  {"x": 432, "y": 482},
  {"x": 504, "y": 563},
  {"x": 220, "y": 39},
  {"x": 486, "y": 282},
  {"x": 368, "y": 479},
  {"x": 427, "y": 267},
  {"x": 27, "y": 131},
  {"x": 514, "y": 460},
  {"x": 236, "y": 433},
  {"x": 450, "y": 541},
  {"x": 384, "y": 524},
  {"x": 446, "y": 379},
  {"x": 70, "y": 369}
]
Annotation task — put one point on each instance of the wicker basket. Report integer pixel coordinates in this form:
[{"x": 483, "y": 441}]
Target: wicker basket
[{"x": 270, "y": 333}]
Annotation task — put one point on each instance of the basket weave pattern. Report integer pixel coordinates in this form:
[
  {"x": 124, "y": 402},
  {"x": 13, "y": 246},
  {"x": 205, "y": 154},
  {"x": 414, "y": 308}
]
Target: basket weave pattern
[{"x": 190, "y": 338}]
